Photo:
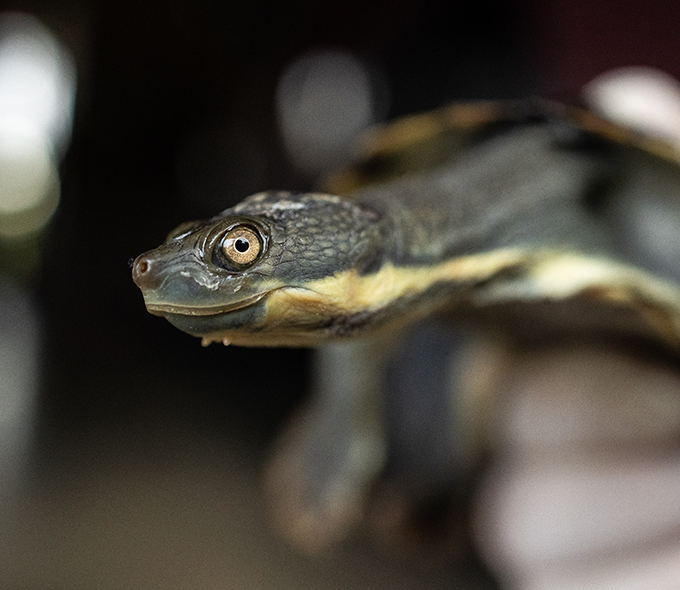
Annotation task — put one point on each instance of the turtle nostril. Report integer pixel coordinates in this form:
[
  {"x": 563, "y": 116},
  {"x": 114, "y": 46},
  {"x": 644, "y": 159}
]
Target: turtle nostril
[{"x": 141, "y": 270}]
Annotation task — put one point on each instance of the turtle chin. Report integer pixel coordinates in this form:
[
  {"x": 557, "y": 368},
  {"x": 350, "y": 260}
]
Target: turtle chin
[{"x": 237, "y": 320}]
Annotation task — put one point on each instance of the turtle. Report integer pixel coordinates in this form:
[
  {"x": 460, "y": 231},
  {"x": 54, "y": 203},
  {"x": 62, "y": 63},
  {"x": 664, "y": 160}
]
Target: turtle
[{"x": 478, "y": 227}]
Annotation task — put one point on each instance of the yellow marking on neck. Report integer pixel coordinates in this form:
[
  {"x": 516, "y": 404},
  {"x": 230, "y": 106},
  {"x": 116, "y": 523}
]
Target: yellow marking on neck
[{"x": 350, "y": 292}]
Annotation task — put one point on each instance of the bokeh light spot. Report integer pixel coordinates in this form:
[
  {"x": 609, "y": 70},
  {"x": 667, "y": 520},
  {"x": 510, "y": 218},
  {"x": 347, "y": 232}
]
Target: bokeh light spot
[{"x": 324, "y": 99}]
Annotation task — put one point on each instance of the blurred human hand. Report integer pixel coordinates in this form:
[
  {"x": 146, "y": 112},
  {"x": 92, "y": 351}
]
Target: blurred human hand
[{"x": 585, "y": 489}]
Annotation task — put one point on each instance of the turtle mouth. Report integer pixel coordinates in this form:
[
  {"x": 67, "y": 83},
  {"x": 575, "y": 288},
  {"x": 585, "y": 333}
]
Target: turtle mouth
[{"x": 162, "y": 309}]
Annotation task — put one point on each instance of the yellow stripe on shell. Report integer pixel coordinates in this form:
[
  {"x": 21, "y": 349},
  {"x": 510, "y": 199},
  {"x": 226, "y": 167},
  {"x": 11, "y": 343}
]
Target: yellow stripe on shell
[{"x": 556, "y": 276}]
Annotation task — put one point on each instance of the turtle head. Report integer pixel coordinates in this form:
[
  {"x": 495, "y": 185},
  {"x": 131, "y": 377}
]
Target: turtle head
[{"x": 262, "y": 272}]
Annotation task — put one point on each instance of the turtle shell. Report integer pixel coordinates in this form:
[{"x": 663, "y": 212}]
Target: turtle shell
[{"x": 426, "y": 140}]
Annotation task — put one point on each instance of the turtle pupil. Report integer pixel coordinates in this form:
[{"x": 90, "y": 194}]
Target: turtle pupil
[{"x": 241, "y": 245}]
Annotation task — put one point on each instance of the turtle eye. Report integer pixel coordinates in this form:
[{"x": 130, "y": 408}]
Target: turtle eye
[{"x": 241, "y": 246}]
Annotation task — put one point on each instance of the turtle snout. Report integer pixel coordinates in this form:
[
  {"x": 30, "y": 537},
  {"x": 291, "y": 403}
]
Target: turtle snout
[
  {"x": 144, "y": 272},
  {"x": 167, "y": 277}
]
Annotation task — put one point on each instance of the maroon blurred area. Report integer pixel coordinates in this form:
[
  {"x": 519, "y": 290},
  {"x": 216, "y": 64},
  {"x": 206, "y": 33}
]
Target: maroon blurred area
[{"x": 572, "y": 41}]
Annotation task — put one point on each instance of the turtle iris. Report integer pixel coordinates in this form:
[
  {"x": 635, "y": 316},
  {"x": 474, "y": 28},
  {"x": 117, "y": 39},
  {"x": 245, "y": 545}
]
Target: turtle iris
[{"x": 241, "y": 246}]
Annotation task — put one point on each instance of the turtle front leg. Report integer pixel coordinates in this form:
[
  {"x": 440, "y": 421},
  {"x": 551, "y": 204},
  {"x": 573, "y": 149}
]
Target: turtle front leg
[
  {"x": 325, "y": 463},
  {"x": 438, "y": 388}
]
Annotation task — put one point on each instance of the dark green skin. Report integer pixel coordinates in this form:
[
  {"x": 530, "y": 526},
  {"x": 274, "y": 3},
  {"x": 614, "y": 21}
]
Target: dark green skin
[{"x": 523, "y": 188}]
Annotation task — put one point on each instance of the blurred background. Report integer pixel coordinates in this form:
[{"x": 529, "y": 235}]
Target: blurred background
[{"x": 130, "y": 456}]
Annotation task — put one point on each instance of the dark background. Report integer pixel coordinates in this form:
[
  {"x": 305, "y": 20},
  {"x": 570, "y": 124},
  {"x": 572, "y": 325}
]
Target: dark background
[{"x": 175, "y": 120}]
